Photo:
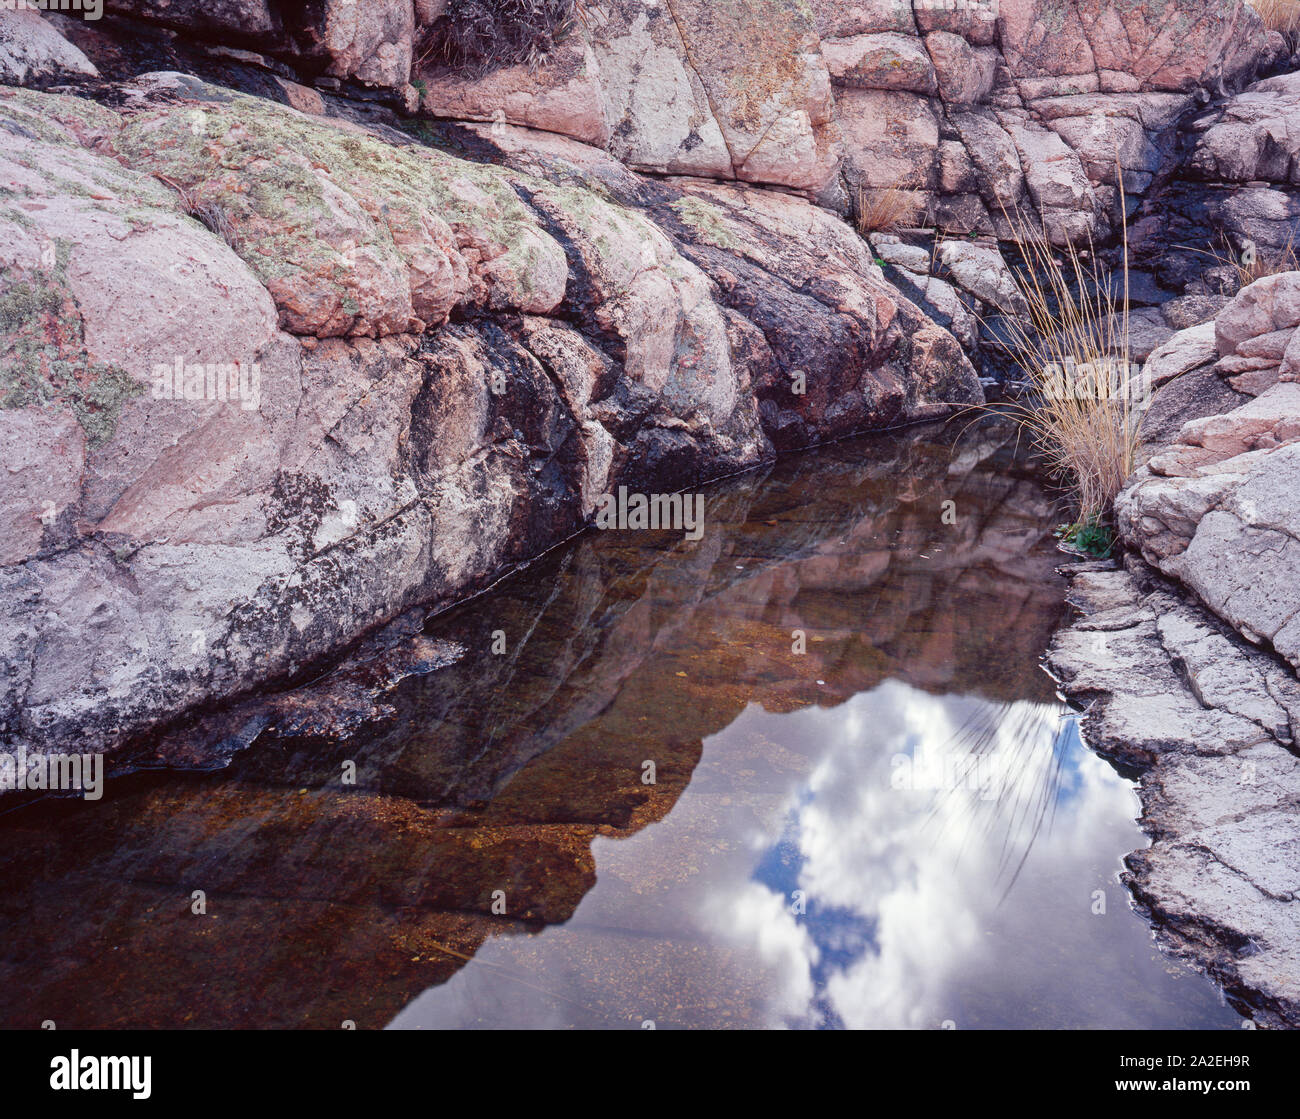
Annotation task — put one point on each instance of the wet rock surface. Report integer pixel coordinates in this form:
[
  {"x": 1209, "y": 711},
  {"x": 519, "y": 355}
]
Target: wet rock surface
[{"x": 1211, "y": 727}]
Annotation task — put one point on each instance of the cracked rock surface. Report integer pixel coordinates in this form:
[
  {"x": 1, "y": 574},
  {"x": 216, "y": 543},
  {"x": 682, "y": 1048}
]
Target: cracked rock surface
[
  {"x": 1186, "y": 657},
  {"x": 1211, "y": 726}
]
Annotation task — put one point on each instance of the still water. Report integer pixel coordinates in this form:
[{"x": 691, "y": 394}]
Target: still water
[{"x": 804, "y": 772}]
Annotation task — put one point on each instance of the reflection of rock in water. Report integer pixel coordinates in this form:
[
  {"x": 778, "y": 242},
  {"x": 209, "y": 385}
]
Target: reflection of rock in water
[{"x": 495, "y": 772}]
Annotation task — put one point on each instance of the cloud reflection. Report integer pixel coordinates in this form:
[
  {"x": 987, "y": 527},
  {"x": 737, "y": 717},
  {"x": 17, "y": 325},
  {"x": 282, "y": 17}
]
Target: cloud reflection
[{"x": 935, "y": 860}]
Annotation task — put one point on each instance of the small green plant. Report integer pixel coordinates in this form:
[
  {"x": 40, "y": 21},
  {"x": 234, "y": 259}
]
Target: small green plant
[{"x": 1092, "y": 537}]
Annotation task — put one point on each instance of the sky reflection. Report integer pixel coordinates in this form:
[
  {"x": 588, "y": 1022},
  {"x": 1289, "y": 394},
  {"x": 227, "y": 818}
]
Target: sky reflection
[{"x": 934, "y": 860}]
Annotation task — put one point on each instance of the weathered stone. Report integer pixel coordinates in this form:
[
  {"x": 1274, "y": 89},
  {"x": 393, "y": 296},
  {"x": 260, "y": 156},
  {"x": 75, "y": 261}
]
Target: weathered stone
[
  {"x": 1267, "y": 306},
  {"x": 1254, "y": 138},
  {"x": 1212, "y": 725},
  {"x": 1184, "y": 351},
  {"x": 33, "y": 52},
  {"x": 980, "y": 270},
  {"x": 881, "y": 61},
  {"x": 1213, "y": 512},
  {"x": 838, "y": 20},
  {"x": 891, "y": 139},
  {"x": 42, "y": 456},
  {"x": 346, "y": 243},
  {"x": 995, "y": 155},
  {"x": 211, "y": 543},
  {"x": 893, "y": 250},
  {"x": 1192, "y": 395},
  {"x": 1109, "y": 146},
  {"x": 564, "y": 94},
  {"x": 1192, "y": 310},
  {"x": 1147, "y": 331},
  {"x": 659, "y": 116},
  {"x": 965, "y": 73},
  {"x": 1057, "y": 184},
  {"x": 1176, "y": 46},
  {"x": 369, "y": 42}
]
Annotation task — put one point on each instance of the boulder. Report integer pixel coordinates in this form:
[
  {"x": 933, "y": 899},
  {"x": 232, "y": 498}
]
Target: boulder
[
  {"x": 980, "y": 270},
  {"x": 565, "y": 94},
  {"x": 965, "y": 74},
  {"x": 1266, "y": 307},
  {"x": 891, "y": 139},
  {"x": 772, "y": 98},
  {"x": 32, "y": 52},
  {"x": 1057, "y": 184},
  {"x": 1254, "y": 137},
  {"x": 995, "y": 156},
  {"x": 1186, "y": 350},
  {"x": 350, "y": 234},
  {"x": 886, "y": 60}
]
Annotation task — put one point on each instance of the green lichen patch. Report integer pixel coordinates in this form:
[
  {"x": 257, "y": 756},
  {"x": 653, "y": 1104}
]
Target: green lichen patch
[
  {"x": 57, "y": 118},
  {"x": 300, "y": 195},
  {"x": 707, "y": 221},
  {"x": 43, "y": 360}
]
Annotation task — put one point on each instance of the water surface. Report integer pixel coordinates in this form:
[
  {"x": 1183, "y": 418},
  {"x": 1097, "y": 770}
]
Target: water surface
[{"x": 803, "y": 772}]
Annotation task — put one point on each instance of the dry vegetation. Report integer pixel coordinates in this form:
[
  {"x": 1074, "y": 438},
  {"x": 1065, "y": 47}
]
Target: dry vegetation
[
  {"x": 1280, "y": 15},
  {"x": 478, "y": 36},
  {"x": 1074, "y": 348},
  {"x": 1250, "y": 265},
  {"x": 885, "y": 209},
  {"x": 211, "y": 214}
]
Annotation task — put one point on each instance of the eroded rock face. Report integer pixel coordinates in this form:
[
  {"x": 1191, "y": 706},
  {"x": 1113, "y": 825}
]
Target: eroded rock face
[
  {"x": 369, "y": 43},
  {"x": 1252, "y": 138},
  {"x": 1235, "y": 193},
  {"x": 1081, "y": 46},
  {"x": 1216, "y": 508},
  {"x": 334, "y": 450},
  {"x": 1212, "y": 725},
  {"x": 821, "y": 98}
]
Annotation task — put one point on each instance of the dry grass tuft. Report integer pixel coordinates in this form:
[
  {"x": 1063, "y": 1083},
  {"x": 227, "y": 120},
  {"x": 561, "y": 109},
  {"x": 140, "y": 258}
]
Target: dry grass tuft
[
  {"x": 885, "y": 209},
  {"x": 1250, "y": 265},
  {"x": 478, "y": 36},
  {"x": 211, "y": 214},
  {"x": 1085, "y": 413},
  {"x": 1280, "y": 15}
]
